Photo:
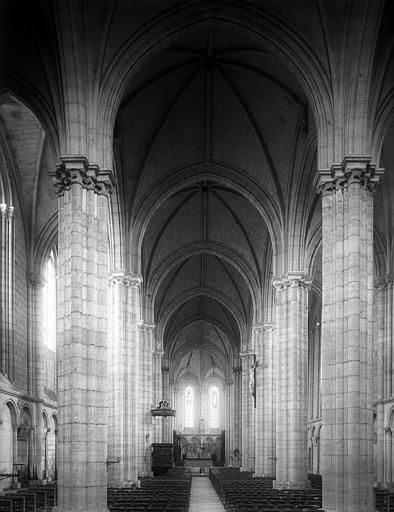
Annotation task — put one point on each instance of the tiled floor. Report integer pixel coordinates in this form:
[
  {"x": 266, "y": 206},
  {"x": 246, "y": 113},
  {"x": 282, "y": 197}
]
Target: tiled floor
[{"x": 203, "y": 497}]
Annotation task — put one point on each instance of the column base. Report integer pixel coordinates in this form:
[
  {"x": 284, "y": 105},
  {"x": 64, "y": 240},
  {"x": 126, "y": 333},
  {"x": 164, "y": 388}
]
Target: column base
[
  {"x": 244, "y": 468},
  {"x": 296, "y": 485},
  {"x": 263, "y": 475}
]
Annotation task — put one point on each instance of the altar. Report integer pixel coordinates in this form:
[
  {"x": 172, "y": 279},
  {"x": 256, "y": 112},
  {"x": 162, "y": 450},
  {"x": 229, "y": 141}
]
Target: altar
[{"x": 198, "y": 462}]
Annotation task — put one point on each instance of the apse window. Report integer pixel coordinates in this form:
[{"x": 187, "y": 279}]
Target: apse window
[
  {"x": 49, "y": 303},
  {"x": 189, "y": 407},
  {"x": 214, "y": 407}
]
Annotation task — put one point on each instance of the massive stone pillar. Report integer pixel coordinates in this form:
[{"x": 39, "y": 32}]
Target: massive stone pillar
[
  {"x": 291, "y": 379},
  {"x": 123, "y": 377},
  {"x": 82, "y": 335},
  {"x": 166, "y": 422},
  {"x": 248, "y": 410},
  {"x": 347, "y": 274},
  {"x": 265, "y": 400},
  {"x": 145, "y": 392},
  {"x": 229, "y": 420}
]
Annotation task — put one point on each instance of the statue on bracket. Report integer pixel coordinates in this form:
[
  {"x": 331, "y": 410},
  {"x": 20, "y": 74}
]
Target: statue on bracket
[{"x": 252, "y": 378}]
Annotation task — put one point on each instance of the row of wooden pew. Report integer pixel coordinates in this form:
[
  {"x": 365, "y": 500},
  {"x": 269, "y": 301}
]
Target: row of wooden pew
[
  {"x": 166, "y": 493},
  {"x": 384, "y": 500},
  {"x": 240, "y": 492},
  {"x": 33, "y": 499}
]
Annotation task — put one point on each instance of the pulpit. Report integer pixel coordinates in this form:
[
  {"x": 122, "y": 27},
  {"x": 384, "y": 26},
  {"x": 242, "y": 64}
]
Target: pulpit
[{"x": 162, "y": 457}]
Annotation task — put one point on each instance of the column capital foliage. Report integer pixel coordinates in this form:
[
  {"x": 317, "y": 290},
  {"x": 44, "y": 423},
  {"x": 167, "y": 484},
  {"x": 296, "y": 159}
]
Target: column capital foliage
[
  {"x": 77, "y": 171},
  {"x": 352, "y": 170},
  {"x": 7, "y": 211},
  {"x": 263, "y": 327},
  {"x": 121, "y": 278},
  {"x": 146, "y": 327},
  {"x": 35, "y": 280},
  {"x": 158, "y": 353},
  {"x": 383, "y": 282},
  {"x": 292, "y": 279}
]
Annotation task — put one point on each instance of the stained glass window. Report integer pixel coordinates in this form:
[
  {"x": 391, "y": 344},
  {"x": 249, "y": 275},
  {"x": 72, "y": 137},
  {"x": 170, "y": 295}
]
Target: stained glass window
[
  {"x": 189, "y": 407},
  {"x": 214, "y": 407}
]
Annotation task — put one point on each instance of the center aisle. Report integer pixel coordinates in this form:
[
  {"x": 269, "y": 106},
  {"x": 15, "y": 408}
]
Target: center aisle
[{"x": 203, "y": 497}]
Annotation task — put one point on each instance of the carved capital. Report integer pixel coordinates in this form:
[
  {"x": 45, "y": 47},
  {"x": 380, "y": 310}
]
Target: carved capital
[
  {"x": 35, "y": 280},
  {"x": 292, "y": 279},
  {"x": 353, "y": 170},
  {"x": 383, "y": 282},
  {"x": 77, "y": 171},
  {"x": 146, "y": 327},
  {"x": 7, "y": 212},
  {"x": 246, "y": 354},
  {"x": 263, "y": 327},
  {"x": 269, "y": 326},
  {"x": 158, "y": 353},
  {"x": 134, "y": 281},
  {"x": 258, "y": 328},
  {"x": 121, "y": 278}
]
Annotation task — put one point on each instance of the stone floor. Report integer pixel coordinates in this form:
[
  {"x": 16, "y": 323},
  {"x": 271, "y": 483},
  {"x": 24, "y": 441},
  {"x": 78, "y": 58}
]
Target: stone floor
[{"x": 203, "y": 497}]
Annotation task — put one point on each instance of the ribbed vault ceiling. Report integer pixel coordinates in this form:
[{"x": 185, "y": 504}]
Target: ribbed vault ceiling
[
  {"x": 28, "y": 159},
  {"x": 212, "y": 109}
]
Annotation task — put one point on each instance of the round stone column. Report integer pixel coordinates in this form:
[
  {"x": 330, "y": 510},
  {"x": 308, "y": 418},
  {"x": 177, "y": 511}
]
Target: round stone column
[
  {"x": 265, "y": 400},
  {"x": 166, "y": 422},
  {"x": 248, "y": 360},
  {"x": 347, "y": 347},
  {"x": 123, "y": 377},
  {"x": 83, "y": 216},
  {"x": 291, "y": 380}
]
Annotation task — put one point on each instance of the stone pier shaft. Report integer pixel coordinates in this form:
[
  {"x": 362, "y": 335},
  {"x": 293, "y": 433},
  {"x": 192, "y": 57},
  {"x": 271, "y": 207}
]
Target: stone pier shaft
[
  {"x": 265, "y": 400},
  {"x": 347, "y": 349},
  {"x": 291, "y": 380},
  {"x": 82, "y": 336}
]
